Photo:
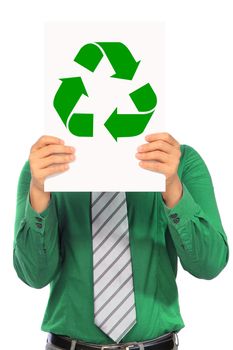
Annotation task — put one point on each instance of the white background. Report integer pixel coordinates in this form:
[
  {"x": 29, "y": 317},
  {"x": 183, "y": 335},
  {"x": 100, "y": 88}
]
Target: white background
[
  {"x": 199, "y": 110},
  {"x": 114, "y": 163}
]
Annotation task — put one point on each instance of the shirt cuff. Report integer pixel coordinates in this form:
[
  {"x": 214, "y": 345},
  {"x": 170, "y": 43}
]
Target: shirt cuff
[
  {"x": 38, "y": 221},
  {"x": 183, "y": 211}
]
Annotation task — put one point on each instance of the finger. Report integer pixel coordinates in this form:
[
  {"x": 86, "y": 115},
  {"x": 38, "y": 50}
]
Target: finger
[
  {"x": 46, "y": 140},
  {"x": 55, "y": 159},
  {"x": 51, "y": 149},
  {"x": 154, "y": 166},
  {"x": 160, "y": 145},
  {"x": 155, "y": 155},
  {"x": 54, "y": 169},
  {"x": 162, "y": 136}
]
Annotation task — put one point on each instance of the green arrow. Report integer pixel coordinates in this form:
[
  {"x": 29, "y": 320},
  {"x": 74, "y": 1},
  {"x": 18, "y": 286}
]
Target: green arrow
[
  {"x": 125, "y": 125},
  {"x": 68, "y": 94},
  {"x": 81, "y": 124},
  {"x": 117, "y": 53},
  {"x": 144, "y": 98},
  {"x": 89, "y": 56}
]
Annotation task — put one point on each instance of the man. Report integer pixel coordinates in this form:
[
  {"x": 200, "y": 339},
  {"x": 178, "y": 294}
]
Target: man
[{"x": 112, "y": 277}]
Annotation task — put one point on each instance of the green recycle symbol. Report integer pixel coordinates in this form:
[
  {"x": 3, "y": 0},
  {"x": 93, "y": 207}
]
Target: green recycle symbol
[{"x": 125, "y": 66}]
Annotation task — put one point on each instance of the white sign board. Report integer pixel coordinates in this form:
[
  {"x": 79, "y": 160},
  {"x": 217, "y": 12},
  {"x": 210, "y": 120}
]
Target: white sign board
[{"x": 111, "y": 71}]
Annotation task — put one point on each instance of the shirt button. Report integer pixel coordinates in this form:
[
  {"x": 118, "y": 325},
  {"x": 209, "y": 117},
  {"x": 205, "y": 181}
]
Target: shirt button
[
  {"x": 38, "y": 225},
  {"x": 176, "y": 220},
  {"x": 38, "y": 218},
  {"x": 173, "y": 216}
]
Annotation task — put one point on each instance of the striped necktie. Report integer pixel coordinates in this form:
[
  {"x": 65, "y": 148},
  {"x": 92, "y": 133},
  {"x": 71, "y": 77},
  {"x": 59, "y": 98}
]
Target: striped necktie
[{"x": 114, "y": 304}]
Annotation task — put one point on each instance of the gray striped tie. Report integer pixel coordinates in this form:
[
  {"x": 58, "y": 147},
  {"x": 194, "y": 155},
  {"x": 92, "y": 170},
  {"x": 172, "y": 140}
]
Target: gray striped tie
[{"x": 114, "y": 304}]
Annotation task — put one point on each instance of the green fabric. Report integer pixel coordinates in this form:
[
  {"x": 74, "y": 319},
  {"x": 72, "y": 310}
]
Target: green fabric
[{"x": 55, "y": 247}]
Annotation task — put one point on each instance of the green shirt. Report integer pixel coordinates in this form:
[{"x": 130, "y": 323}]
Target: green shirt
[{"x": 55, "y": 247}]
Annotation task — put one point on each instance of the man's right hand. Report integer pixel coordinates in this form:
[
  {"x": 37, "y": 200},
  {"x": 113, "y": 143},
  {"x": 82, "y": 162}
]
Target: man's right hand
[{"x": 48, "y": 156}]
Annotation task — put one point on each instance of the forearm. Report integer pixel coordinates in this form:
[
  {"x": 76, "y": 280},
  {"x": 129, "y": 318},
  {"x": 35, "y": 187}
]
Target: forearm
[
  {"x": 200, "y": 245},
  {"x": 209, "y": 250},
  {"x": 36, "y": 248},
  {"x": 36, "y": 270},
  {"x": 36, "y": 239},
  {"x": 201, "y": 248}
]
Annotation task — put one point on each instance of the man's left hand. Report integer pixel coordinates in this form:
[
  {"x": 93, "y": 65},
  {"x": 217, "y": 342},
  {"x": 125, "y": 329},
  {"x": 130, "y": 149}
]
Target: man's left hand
[{"x": 162, "y": 154}]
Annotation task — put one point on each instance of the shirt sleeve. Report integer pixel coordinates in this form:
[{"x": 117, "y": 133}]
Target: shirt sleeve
[
  {"x": 194, "y": 222},
  {"x": 36, "y": 253}
]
